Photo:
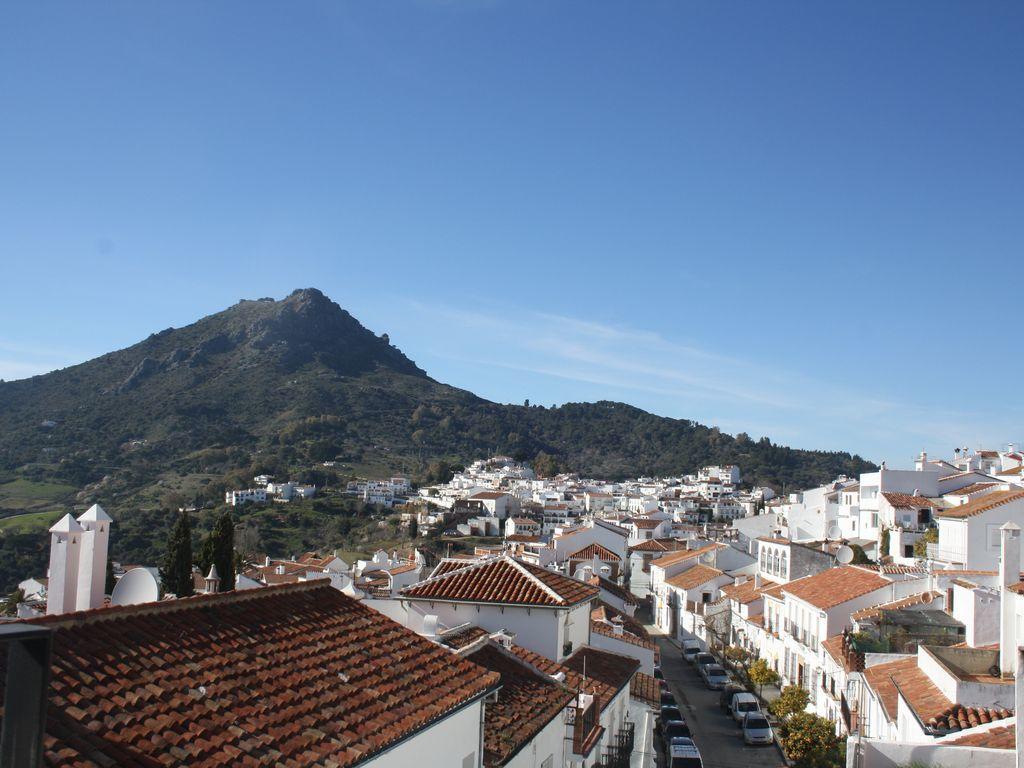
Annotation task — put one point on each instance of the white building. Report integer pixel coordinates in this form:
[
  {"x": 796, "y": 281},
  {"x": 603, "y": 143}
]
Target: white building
[
  {"x": 78, "y": 562},
  {"x": 249, "y": 495}
]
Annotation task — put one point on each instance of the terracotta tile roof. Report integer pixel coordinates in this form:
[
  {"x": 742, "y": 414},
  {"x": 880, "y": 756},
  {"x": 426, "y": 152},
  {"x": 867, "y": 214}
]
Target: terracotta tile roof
[
  {"x": 972, "y": 488},
  {"x": 694, "y": 576},
  {"x": 488, "y": 495},
  {"x": 526, "y": 703},
  {"x": 448, "y": 564},
  {"x": 291, "y": 675},
  {"x": 982, "y": 504},
  {"x": 774, "y": 540},
  {"x": 748, "y": 592},
  {"x": 1018, "y": 588},
  {"x": 1000, "y": 737},
  {"x": 605, "y": 612},
  {"x": 834, "y": 647},
  {"x": 522, "y": 538},
  {"x": 658, "y": 545},
  {"x": 609, "y": 526},
  {"x": 678, "y": 557},
  {"x": 1012, "y": 470},
  {"x": 907, "y": 602},
  {"x": 503, "y": 580},
  {"x": 957, "y": 717},
  {"x": 645, "y": 523},
  {"x": 645, "y": 688},
  {"x": 591, "y": 551},
  {"x": 909, "y": 501},
  {"x": 614, "y": 589},
  {"x": 525, "y": 521},
  {"x": 835, "y": 586},
  {"x": 404, "y": 568},
  {"x": 607, "y": 673}
]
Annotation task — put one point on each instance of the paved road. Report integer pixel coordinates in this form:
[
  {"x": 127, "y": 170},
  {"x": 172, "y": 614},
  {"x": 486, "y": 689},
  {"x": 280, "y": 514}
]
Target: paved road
[{"x": 715, "y": 734}]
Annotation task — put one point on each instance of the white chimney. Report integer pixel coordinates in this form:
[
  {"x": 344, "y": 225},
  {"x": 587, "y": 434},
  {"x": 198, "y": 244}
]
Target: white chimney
[
  {"x": 1009, "y": 574},
  {"x": 92, "y": 558},
  {"x": 65, "y": 545},
  {"x": 211, "y": 583}
]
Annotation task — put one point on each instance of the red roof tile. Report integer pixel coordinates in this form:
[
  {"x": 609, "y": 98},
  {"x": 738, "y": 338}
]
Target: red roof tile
[
  {"x": 1000, "y": 737},
  {"x": 682, "y": 555},
  {"x": 503, "y": 580},
  {"x": 982, "y": 504},
  {"x": 526, "y": 702},
  {"x": 694, "y": 576},
  {"x": 835, "y": 586},
  {"x": 909, "y": 501},
  {"x": 614, "y": 590},
  {"x": 591, "y": 551},
  {"x": 606, "y": 673},
  {"x": 646, "y": 688},
  {"x": 291, "y": 675}
]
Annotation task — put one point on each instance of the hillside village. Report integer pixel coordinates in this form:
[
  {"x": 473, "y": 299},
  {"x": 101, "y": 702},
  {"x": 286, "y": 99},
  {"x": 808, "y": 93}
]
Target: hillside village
[{"x": 591, "y": 624}]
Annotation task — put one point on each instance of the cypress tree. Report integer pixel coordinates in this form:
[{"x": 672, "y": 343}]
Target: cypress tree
[
  {"x": 176, "y": 573},
  {"x": 219, "y": 550}
]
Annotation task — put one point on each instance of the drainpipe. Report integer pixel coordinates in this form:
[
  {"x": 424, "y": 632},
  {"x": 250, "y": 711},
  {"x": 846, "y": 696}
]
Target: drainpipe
[{"x": 28, "y": 677}]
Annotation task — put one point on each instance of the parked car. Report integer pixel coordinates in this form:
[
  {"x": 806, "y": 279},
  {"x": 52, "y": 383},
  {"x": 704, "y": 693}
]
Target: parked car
[
  {"x": 742, "y": 704},
  {"x": 673, "y": 729},
  {"x": 690, "y": 649},
  {"x": 667, "y": 698},
  {"x": 669, "y": 712},
  {"x": 756, "y": 729},
  {"x": 725, "y": 699},
  {"x": 702, "y": 659},
  {"x": 658, "y": 675},
  {"x": 683, "y": 753},
  {"x": 715, "y": 677}
]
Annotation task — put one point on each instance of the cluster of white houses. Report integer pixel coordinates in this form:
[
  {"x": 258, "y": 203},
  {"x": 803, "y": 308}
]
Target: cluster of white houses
[
  {"x": 528, "y": 651},
  {"x": 267, "y": 490}
]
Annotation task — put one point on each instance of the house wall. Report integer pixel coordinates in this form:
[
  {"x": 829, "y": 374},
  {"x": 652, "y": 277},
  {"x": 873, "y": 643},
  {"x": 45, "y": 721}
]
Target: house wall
[
  {"x": 549, "y": 743},
  {"x": 453, "y": 742},
  {"x": 644, "y": 655},
  {"x": 881, "y": 754}
]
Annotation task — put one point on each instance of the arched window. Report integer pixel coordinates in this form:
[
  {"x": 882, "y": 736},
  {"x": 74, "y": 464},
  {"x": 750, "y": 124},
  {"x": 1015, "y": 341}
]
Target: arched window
[{"x": 784, "y": 572}]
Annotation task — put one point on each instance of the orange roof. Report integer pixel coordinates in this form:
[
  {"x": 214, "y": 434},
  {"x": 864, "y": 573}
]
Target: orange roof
[
  {"x": 503, "y": 580},
  {"x": 448, "y": 564},
  {"x": 835, "y": 586},
  {"x": 591, "y": 551},
  {"x": 909, "y": 501},
  {"x": 982, "y": 504},
  {"x": 745, "y": 592},
  {"x": 1000, "y": 737},
  {"x": 588, "y": 670},
  {"x": 694, "y": 576},
  {"x": 658, "y": 545},
  {"x": 645, "y": 523},
  {"x": 684, "y": 554},
  {"x": 295, "y": 675},
  {"x": 614, "y": 589},
  {"x": 867, "y": 613},
  {"x": 526, "y": 703},
  {"x": 972, "y": 488},
  {"x": 488, "y": 495},
  {"x": 646, "y": 688}
]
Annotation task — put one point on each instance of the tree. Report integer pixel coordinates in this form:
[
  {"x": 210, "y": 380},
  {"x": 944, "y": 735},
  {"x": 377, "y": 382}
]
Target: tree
[
  {"x": 761, "y": 674},
  {"x": 860, "y": 557},
  {"x": 108, "y": 587},
  {"x": 931, "y": 536},
  {"x": 883, "y": 546},
  {"x": 176, "y": 573},
  {"x": 545, "y": 465},
  {"x": 810, "y": 741},
  {"x": 792, "y": 700},
  {"x": 219, "y": 551},
  {"x": 10, "y": 607},
  {"x": 414, "y": 529}
]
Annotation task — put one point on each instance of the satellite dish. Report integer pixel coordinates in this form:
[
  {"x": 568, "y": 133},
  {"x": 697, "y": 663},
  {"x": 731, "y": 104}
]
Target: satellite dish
[
  {"x": 139, "y": 585},
  {"x": 834, "y": 532},
  {"x": 927, "y": 597},
  {"x": 844, "y": 555},
  {"x": 707, "y": 558}
]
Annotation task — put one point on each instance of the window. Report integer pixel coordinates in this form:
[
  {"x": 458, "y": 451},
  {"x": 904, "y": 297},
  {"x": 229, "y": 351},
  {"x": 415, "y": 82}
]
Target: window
[{"x": 908, "y": 550}]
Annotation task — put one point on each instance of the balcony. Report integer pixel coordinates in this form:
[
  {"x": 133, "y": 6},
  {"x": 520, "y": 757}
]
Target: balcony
[
  {"x": 585, "y": 718},
  {"x": 619, "y": 752},
  {"x": 946, "y": 555}
]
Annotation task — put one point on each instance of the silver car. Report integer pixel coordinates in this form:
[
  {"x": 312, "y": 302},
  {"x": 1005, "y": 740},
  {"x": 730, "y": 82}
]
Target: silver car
[{"x": 756, "y": 729}]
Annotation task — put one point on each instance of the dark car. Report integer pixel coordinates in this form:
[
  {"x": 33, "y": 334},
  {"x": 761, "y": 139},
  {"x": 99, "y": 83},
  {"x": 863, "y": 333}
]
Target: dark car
[
  {"x": 725, "y": 700},
  {"x": 673, "y": 729},
  {"x": 667, "y": 698},
  {"x": 702, "y": 660},
  {"x": 658, "y": 673},
  {"x": 668, "y": 714}
]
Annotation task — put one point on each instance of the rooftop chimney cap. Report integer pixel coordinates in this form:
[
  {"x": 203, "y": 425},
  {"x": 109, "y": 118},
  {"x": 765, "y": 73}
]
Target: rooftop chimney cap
[
  {"x": 95, "y": 514},
  {"x": 66, "y": 524},
  {"x": 213, "y": 572}
]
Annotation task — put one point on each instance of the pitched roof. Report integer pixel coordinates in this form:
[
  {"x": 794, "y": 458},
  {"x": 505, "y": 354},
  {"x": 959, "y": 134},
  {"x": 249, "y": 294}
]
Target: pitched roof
[
  {"x": 522, "y": 538},
  {"x": 694, "y": 576},
  {"x": 677, "y": 557},
  {"x": 526, "y": 703},
  {"x": 604, "y": 618},
  {"x": 921, "y": 599},
  {"x": 614, "y": 589},
  {"x": 972, "y": 488},
  {"x": 449, "y": 564},
  {"x": 659, "y": 545},
  {"x": 745, "y": 592},
  {"x": 645, "y": 523},
  {"x": 835, "y": 586},
  {"x": 591, "y": 551},
  {"x": 505, "y": 580},
  {"x": 462, "y": 636},
  {"x": 910, "y": 501},
  {"x": 589, "y": 670},
  {"x": 482, "y": 495},
  {"x": 645, "y": 688},
  {"x": 294, "y": 675},
  {"x": 1000, "y": 737},
  {"x": 982, "y": 504}
]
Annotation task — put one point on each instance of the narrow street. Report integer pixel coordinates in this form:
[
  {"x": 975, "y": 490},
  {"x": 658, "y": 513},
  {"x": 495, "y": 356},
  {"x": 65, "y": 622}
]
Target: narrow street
[{"x": 716, "y": 735}]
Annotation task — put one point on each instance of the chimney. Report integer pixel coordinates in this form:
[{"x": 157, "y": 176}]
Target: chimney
[
  {"x": 92, "y": 558},
  {"x": 1009, "y": 574},
  {"x": 28, "y": 677},
  {"x": 211, "y": 583},
  {"x": 65, "y": 548}
]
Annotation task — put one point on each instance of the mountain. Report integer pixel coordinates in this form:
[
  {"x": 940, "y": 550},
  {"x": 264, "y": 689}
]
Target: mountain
[{"x": 282, "y": 386}]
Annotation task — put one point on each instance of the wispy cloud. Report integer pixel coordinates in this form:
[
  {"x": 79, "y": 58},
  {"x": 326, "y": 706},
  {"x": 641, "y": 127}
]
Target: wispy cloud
[
  {"x": 691, "y": 381},
  {"x": 19, "y": 361}
]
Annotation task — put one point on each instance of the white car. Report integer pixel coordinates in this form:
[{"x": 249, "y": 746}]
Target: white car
[
  {"x": 742, "y": 704},
  {"x": 690, "y": 650},
  {"x": 683, "y": 753},
  {"x": 756, "y": 729}
]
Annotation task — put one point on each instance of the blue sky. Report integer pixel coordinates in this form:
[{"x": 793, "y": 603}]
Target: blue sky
[{"x": 791, "y": 219}]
